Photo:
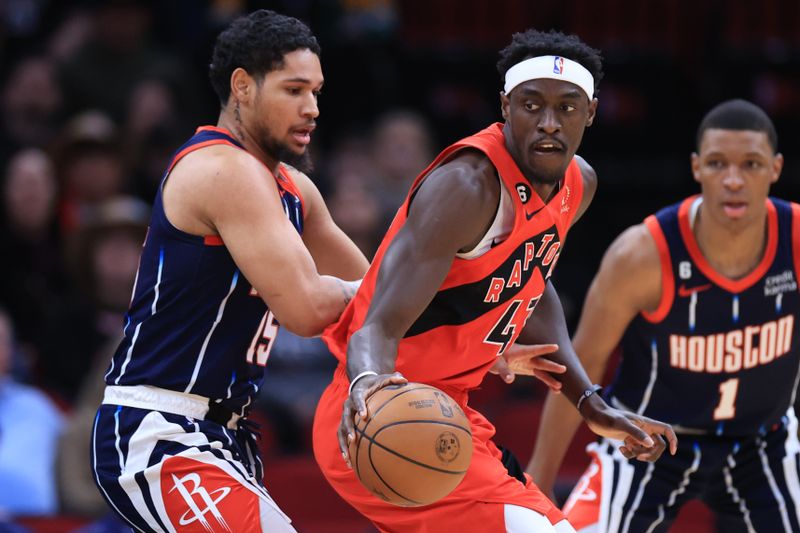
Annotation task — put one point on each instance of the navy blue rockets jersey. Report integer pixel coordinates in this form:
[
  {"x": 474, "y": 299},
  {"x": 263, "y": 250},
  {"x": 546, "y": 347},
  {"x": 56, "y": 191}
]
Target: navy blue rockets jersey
[
  {"x": 719, "y": 355},
  {"x": 195, "y": 324}
]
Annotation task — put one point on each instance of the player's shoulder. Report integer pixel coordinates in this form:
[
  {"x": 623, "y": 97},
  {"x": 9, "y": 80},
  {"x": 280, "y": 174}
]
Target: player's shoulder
[
  {"x": 469, "y": 173},
  {"x": 588, "y": 174},
  {"x": 302, "y": 180},
  {"x": 634, "y": 250},
  {"x": 226, "y": 160}
]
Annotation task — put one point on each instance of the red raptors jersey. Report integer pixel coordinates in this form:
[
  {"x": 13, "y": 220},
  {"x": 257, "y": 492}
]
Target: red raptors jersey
[
  {"x": 477, "y": 313},
  {"x": 483, "y": 303}
]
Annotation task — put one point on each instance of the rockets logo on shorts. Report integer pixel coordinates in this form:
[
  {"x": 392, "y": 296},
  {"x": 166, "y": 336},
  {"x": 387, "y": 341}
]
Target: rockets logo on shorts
[{"x": 203, "y": 498}]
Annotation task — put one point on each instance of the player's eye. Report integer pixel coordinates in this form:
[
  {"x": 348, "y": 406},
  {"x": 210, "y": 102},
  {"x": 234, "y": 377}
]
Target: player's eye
[
  {"x": 530, "y": 106},
  {"x": 568, "y": 108},
  {"x": 294, "y": 91},
  {"x": 752, "y": 164},
  {"x": 715, "y": 164}
]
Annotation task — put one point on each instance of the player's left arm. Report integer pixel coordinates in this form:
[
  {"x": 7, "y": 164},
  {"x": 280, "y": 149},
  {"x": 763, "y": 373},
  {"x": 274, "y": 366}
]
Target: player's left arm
[
  {"x": 333, "y": 251},
  {"x": 534, "y": 360},
  {"x": 547, "y": 325}
]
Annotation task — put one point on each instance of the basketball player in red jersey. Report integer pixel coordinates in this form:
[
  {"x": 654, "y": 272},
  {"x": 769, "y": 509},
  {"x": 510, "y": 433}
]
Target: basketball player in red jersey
[{"x": 462, "y": 274}]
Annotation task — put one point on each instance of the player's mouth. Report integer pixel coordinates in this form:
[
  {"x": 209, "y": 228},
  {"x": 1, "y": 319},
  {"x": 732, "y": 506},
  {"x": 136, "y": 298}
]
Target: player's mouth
[
  {"x": 548, "y": 147},
  {"x": 734, "y": 209},
  {"x": 302, "y": 136}
]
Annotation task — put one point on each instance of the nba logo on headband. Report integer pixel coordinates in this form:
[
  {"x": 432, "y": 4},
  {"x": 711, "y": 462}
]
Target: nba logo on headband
[{"x": 550, "y": 67}]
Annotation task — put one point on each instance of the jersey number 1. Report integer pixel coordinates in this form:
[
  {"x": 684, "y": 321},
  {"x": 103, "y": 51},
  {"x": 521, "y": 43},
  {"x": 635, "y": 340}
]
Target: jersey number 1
[{"x": 727, "y": 401}]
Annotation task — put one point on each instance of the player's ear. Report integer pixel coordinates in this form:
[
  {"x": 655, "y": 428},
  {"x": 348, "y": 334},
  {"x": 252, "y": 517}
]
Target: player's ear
[
  {"x": 777, "y": 167},
  {"x": 241, "y": 85},
  {"x": 592, "y": 112},
  {"x": 505, "y": 103},
  {"x": 695, "y": 162}
]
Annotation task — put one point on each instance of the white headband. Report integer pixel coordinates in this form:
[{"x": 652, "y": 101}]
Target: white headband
[{"x": 550, "y": 67}]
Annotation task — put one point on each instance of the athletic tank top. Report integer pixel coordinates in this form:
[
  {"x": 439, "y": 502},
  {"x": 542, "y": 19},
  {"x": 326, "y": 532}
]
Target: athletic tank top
[
  {"x": 718, "y": 355},
  {"x": 195, "y": 324},
  {"x": 484, "y": 302}
]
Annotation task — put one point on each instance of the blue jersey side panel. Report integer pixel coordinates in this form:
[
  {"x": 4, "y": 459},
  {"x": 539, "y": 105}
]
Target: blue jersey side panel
[
  {"x": 722, "y": 361},
  {"x": 195, "y": 324}
]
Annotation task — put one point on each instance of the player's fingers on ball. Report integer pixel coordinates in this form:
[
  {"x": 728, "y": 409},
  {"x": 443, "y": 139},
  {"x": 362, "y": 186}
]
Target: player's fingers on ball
[{"x": 398, "y": 378}]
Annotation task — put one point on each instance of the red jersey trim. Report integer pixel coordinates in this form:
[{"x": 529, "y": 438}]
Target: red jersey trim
[
  {"x": 730, "y": 285},
  {"x": 796, "y": 239},
  {"x": 286, "y": 182},
  {"x": 189, "y": 149},
  {"x": 213, "y": 240},
  {"x": 667, "y": 277},
  {"x": 214, "y": 128}
]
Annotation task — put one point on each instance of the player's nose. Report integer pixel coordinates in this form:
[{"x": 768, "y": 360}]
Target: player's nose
[
  {"x": 733, "y": 179},
  {"x": 548, "y": 122},
  {"x": 310, "y": 107}
]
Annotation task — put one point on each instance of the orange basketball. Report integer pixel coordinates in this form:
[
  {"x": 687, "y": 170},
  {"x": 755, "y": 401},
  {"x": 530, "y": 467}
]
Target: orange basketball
[{"x": 415, "y": 446}]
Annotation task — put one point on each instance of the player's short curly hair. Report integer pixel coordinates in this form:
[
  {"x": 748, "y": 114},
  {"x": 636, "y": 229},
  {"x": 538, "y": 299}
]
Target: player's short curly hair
[
  {"x": 738, "y": 114},
  {"x": 533, "y": 43},
  {"x": 257, "y": 43}
]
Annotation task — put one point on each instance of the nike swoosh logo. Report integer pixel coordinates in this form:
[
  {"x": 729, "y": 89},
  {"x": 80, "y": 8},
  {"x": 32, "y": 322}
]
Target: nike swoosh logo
[
  {"x": 494, "y": 243},
  {"x": 683, "y": 292},
  {"x": 529, "y": 216}
]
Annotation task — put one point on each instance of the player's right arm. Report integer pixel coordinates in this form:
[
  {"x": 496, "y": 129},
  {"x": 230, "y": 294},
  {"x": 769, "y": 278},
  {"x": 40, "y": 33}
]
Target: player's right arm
[
  {"x": 224, "y": 191},
  {"x": 451, "y": 211},
  {"x": 628, "y": 282}
]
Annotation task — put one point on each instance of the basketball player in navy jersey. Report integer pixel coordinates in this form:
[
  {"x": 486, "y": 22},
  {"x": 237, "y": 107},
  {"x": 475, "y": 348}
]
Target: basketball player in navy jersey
[
  {"x": 704, "y": 297},
  {"x": 239, "y": 242}
]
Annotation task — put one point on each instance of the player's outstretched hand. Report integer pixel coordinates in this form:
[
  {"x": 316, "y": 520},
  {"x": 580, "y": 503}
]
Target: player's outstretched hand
[
  {"x": 642, "y": 437},
  {"x": 527, "y": 360},
  {"x": 356, "y": 405}
]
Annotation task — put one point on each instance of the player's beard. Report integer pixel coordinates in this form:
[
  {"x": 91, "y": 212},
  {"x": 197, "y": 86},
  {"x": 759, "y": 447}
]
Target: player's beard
[{"x": 284, "y": 154}]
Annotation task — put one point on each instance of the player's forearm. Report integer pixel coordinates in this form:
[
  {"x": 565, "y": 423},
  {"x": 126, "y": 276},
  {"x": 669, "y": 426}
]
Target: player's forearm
[
  {"x": 372, "y": 349},
  {"x": 322, "y": 306},
  {"x": 547, "y": 325}
]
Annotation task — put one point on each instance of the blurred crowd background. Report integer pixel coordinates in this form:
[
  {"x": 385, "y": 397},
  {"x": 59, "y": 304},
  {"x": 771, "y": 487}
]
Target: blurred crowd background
[{"x": 95, "y": 96}]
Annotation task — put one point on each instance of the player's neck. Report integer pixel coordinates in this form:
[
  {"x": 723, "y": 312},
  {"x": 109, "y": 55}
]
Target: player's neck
[
  {"x": 733, "y": 252},
  {"x": 229, "y": 121}
]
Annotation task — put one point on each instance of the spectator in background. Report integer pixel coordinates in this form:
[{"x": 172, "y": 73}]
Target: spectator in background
[
  {"x": 31, "y": 273},
  {"x": 103, "y": 256},
  {"x": 153, "y": 129},
  {"x": 31, "y": 105},
  {"x": 91, "y": 166},
  {"x": 119, "y": 52},
  {"x": 402, "y": 148},
  {"x": 29, "y": 429},
  {"x": 353, "y": 204}
]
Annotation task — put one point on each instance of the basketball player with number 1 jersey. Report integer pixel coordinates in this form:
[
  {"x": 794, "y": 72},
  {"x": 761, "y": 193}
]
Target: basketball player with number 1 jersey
[
  {"x": 704, "y": 298},
  {"x": 461, "y": 275}
]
